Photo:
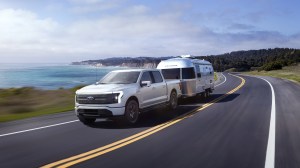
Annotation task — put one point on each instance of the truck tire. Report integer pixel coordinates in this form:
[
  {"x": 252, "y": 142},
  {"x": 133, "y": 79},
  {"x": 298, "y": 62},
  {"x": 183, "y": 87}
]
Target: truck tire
[
  {"x": 132, "y": 111},
  {"x": 173, "y": 102},
  {"x": 86, "y": 121}
]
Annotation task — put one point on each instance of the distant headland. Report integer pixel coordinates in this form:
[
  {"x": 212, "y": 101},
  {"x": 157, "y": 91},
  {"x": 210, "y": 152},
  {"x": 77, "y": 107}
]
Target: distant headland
[
  {"x": 139, "y": 62},
  {"x": 262, "y": 59}
]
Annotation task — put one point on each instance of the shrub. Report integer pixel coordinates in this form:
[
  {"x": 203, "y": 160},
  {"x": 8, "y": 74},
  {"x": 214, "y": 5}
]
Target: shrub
[{"x": 272, "y": 66}]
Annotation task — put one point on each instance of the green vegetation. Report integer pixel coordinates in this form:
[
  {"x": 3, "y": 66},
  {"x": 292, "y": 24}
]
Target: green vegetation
[
  {"x": 215, "y": 76},
  {"x": 264, "y": 59},
  {"x": 272, "y": 66},
  {"x": 19, "y": 103},
  {"x": 231, "y": 70},
  {"x": 289, "y": 72}
]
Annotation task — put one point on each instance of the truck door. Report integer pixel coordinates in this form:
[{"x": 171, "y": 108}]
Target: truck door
[
  {"x": 159, "y": 88},
  {"x": 147, "y": 95}
]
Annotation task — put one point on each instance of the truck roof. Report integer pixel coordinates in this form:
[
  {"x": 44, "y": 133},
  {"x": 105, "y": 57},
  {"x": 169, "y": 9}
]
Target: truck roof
[
  {"x": 134, "y": 70},
  {"x": 181, "y": 63}
]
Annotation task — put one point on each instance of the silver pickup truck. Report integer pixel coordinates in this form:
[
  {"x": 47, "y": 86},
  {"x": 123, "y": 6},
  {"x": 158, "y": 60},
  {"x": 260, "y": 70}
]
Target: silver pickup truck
[{"x": 126, "y": 93}]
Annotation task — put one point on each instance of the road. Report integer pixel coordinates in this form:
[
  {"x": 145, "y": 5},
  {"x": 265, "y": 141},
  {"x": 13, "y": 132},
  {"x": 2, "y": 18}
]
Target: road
[{"x": 232, "y": 128}]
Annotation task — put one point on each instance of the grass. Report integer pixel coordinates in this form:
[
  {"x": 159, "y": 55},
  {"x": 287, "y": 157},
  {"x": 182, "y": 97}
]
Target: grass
[
  {"x": 290, "y": 72},
  {"x": 215, "y": 76},
  {"x": 20, "y": 103}
]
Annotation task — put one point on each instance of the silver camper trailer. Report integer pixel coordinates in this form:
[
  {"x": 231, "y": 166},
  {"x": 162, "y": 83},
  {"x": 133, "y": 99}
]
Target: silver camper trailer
[{"x": 197, "y": 76}]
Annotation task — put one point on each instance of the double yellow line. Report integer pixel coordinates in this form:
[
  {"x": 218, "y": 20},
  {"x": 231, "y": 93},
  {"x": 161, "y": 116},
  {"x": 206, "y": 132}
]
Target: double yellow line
[{"x": 118, "y": 144}]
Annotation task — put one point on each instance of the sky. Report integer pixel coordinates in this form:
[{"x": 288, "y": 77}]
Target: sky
[{"x": 53, "y": 31}]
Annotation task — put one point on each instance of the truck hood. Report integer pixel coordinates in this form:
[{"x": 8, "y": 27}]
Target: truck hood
[{"x": 104, "y": 88}]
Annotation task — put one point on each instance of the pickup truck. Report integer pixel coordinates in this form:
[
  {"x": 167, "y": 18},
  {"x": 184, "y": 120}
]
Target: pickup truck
[{"x": 126, "y": 93}]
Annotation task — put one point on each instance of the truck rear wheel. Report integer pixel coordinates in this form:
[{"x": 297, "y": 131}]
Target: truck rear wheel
[
  {"x": 173, "y": 102},
  {"x": 132, "y": 111},
  {"x": 86, "y": 121}
]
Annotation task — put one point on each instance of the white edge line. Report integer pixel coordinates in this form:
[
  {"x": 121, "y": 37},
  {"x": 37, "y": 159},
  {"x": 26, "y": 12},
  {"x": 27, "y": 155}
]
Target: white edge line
[
  {"x": 223, "y": 81},
  {"x": 38, "y": 128},
  {"x": 270, "y": 156},
  {"x": 270, "y": 153}
]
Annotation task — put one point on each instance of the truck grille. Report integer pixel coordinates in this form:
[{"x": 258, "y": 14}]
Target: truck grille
[
  {"x": 95, "y": 99},
  {"x": 99, "y": 113}
]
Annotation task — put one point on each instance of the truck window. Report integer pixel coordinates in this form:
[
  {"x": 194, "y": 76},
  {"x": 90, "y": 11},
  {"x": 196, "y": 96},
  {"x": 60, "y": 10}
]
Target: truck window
[
  {"x": 188, "y": 73},
  {"x": 173, "y": 73},
  {"x": 157, "y": 77},
  {"x": 146, "y": 77}
]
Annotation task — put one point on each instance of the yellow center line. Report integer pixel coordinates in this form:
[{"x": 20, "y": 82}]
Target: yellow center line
[{"x": 126, "y": 141}]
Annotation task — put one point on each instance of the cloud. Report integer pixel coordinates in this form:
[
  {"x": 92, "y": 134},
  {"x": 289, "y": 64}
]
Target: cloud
[
  {"x": 240, "y": 26},
  {"x": 88, "y": 6},
  {"x": 21, "y": 29},
  {"x": 134, "y": 31},
  {"x": 91, "y": 2}
]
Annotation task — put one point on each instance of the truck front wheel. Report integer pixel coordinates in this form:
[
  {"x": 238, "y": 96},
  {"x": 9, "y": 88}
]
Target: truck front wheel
[{"x": 132, "y": 111}]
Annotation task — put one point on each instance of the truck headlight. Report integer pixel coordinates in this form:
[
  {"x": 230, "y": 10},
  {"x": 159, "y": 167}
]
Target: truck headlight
[{"x": 115, "y": 97}]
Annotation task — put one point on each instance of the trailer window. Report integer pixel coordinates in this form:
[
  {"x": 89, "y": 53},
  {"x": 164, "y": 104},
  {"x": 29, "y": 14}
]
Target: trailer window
[
  {"x": 171, "y": 73},
  {"x": 188, "y": 73},
  {"x": 198, "y": 71}
]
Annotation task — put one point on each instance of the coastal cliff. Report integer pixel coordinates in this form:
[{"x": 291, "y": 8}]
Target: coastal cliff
[{"x": 139, "y": 62}]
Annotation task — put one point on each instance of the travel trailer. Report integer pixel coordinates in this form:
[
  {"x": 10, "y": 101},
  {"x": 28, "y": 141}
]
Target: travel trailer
[{"x": 196, "y": 76}]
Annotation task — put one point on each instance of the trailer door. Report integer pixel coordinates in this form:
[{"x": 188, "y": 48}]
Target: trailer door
[
  {"x": 188, "y": 81},
  {"x": 202, "y": 79},
  {"x": 198, "y": 79}
]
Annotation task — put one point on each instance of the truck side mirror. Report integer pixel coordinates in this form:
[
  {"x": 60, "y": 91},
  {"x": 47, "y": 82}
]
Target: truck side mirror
[{"x": 145, "y": 83}]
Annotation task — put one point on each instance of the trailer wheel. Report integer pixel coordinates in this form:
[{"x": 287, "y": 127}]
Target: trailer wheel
[
  {"x": 207, "y": 93},
  {"x": 132, "y": 111},
  {"x": 203, "y": 95},
  {"x": 173, "y": 102}
]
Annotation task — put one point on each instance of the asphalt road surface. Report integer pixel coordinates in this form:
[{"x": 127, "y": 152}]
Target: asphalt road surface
[{"x": 235, "y": 127}]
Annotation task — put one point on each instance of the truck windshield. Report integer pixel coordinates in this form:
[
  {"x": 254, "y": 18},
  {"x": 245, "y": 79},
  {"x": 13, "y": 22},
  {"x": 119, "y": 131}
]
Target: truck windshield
[{"x": 120, "y": 78}]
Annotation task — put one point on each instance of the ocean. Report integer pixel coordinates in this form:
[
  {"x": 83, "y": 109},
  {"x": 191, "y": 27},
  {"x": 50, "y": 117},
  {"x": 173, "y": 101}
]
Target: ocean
[{"x": 50, "y": 76}]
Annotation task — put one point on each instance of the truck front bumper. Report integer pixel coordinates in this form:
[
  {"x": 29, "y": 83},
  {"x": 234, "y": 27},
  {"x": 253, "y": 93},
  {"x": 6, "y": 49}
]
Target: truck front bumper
[{"x": 98, "y": 111}]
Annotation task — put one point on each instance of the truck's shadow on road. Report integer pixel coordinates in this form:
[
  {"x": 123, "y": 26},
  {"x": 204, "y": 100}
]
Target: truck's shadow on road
[
  {"x": 199, "y": 101},
  {"x": 156, "y": 117}
]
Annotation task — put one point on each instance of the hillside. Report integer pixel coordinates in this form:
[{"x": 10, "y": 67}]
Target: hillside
[
  {"x": 141, "y": 62},
  {"x": 289, "y": 72},
  {"x": 263, "y": 59}
]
